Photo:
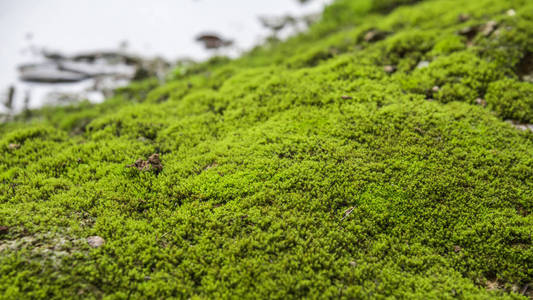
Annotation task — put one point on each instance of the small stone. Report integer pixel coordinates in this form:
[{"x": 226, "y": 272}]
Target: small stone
[
  {"x": 353, "y": 263},
  {"x": 95, "y": 241},
  {"x": 520, "y": 126},
  {"x": 481, "y": 102},
  {"x": 435, "y": 89},
  {"x": 489, "y": 28},
  {"x": 374, "y": 35},
  {"x": 4, "y": 229},
  {"x": 389, "y": 69},
  {"x": 463, "y": 17},
  {"x": 13, "y": 146},
  {"x": 423, "y": 64},
  {"x": 457, "y": 249},
  {"x": 345, "y": 97},
  {"x": 511, "y": 13},
  {"x": 528, "y": 78}
]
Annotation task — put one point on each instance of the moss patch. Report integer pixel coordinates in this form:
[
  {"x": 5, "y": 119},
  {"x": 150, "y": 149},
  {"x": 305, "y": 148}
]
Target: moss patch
[{"x": 327, "y": 166}]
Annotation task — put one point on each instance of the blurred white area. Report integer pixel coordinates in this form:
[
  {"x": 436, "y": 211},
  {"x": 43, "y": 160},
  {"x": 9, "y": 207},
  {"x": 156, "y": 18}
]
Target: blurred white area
[{"x": 164, "y": 28}]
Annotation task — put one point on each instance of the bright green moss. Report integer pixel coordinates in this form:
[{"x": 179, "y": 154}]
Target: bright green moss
[
  {"x": 301, "y": 170},
  {"x": 512, "y": 99}
]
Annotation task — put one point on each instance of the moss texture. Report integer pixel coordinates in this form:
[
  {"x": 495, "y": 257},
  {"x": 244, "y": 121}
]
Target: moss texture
[{"x": 336, "y": 164}]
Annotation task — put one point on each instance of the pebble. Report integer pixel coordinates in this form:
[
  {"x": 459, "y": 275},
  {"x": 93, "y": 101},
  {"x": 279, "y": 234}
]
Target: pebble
[
  {"x": 520, "y": 126},
  {"x": 95, "y": 241},
  {"x": 481, "y": 102},
  {"x": 13, "y": 146},
  {"x": 489, "y": 28},
  {"x": 423, "y": 64},
  {"x": 389, "y": 69},
  {"x": 374, "y": 36}
]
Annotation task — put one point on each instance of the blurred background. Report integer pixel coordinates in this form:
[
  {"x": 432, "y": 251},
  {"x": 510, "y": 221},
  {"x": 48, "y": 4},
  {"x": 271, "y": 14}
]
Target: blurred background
[{"x": 62, "y": 51}]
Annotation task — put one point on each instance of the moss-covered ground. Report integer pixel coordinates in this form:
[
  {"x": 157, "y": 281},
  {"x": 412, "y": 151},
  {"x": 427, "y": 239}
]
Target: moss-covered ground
[{"x": 369, "y": 158}]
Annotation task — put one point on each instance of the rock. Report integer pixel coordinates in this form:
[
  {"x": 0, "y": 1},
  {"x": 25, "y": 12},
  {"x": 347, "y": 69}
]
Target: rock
[
  {"x": 481, "y": 102},
  {"x": 489, "y": 28},
  {"x": 95, "y": 241},
  {"x": 13, "y": 146},
  {"x": 389, "y": 69},
  {"x": 110, "y": 57},
  {"x": 276, "y": 23},
  {"x": 53, "y": 55},
  {"x": 97, "y": 69},
  {"x": 10, "y": 97},
  {"x": 521, "y": 126},
  {"x": 423, "y": 64},
  {"x": 48, "y": 73},
  {"x": 213, "y": 41}
]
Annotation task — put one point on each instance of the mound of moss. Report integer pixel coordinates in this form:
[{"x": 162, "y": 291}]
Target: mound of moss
[{"x": 371, "y": 157}]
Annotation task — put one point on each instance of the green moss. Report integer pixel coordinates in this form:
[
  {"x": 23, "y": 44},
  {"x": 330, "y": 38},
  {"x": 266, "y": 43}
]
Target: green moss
[
  {"x": 301, "y": 170},
  {"x": 512, "y": 99}
]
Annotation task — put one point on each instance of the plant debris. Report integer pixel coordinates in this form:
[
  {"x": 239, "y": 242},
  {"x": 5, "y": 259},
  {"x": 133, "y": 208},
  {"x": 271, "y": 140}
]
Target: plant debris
[
  {"x": 348, "y": 212},
  {"x": 4, "y": 229},
  {"x": 153, "y": 163}
]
